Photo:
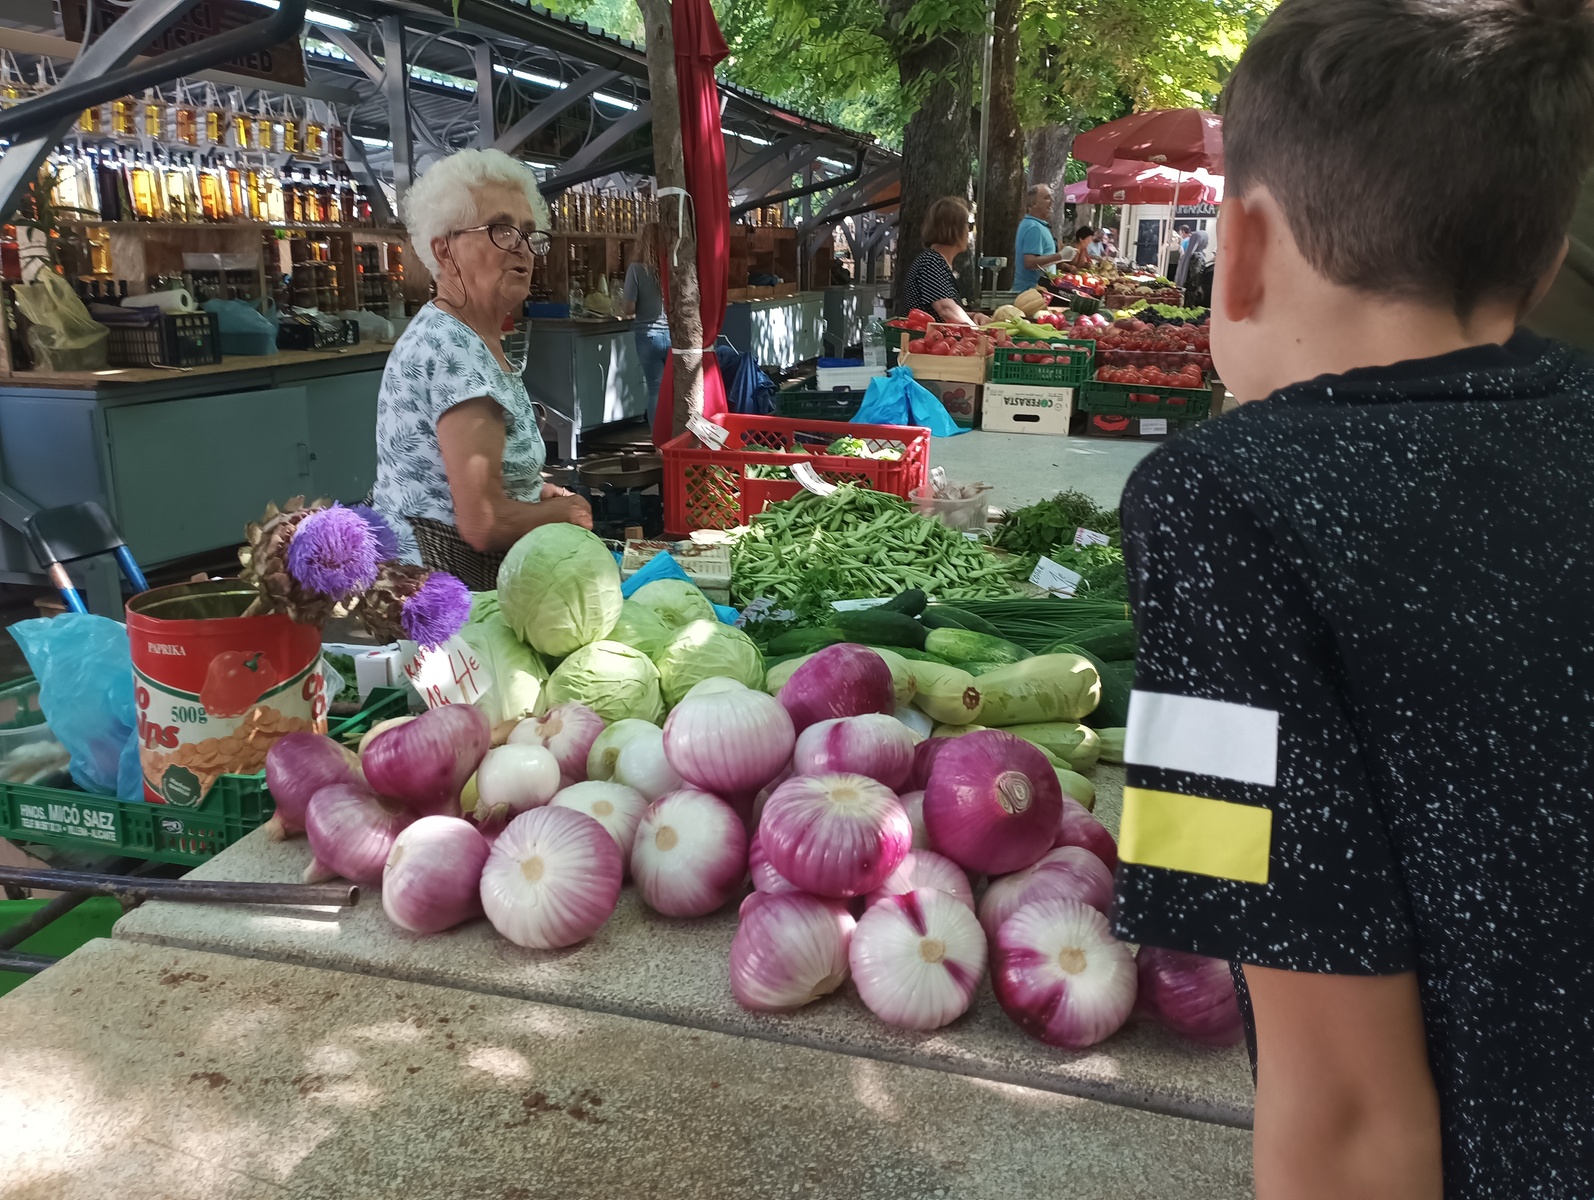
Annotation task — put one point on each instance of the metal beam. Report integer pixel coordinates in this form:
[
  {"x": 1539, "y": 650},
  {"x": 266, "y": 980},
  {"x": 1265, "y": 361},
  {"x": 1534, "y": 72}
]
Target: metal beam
[
  {"x": 380, "y": 212},
  {"x": 481, "y": 56},
  {"x": 640, "y": 159},
  {"x": 784, "y": 148},
  {"x": 549, "y": 110},
  {"x": 372, "y": 69},
  {"x": 395, "y": 91},
  {"x": 592, "y": 153}
]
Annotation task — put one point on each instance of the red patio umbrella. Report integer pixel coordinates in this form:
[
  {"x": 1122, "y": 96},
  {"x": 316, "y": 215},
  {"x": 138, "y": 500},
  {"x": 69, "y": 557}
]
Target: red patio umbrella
[
  {"x": 1182, "y": 138},
  {"x": 699, "y": 45},
  {"x": 1143, "y": 183}
]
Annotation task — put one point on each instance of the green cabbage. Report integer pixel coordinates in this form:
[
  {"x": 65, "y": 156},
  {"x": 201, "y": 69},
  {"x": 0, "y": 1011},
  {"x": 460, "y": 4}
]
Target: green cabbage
[
  {"x": 677, "y": 602},
  {"x": 559, "y": 589},
  {"x": 642, "y": 628},
  {"x": 614, "y": 680},
  {"x": 517, "y": 671},
  {"x": 706, "y": 650}
]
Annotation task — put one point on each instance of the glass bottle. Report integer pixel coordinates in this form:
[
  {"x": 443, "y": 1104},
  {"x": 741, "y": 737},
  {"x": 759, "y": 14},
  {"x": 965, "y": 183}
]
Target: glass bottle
[
  {"x": 335, "y": 141},
  {"x": 154, "y": 117},
  {"x": 243, "y": 131},
  {"x": 212, "y": 194},
  {"x": 179, "y": 201},
  {"x": 236, "y": 200},
  {"x": 187, "y": 125},
  {"x": 290, "y": 135},
  {"x": 90, "y": 120},
  {"x": 332, "y": 204},
  {"x": 213, "y": 126},
  {"x": 265, "y": 132},
  {"x": 324, "y": 192},
  {"x": 276, "y": 208},
  {"x": 140, "y": 182},
  {"x": 257, "y": 194},
  {"x": 311, "y": 203},
  {"x": 124, "y": 117},
  {"x": 313, "y": 138},
  {"x": 99, "y": 251},
  {"x": 293, "y": 200}
]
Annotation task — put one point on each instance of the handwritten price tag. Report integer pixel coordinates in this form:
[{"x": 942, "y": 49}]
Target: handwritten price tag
[
  {"x": 1089, "y": 537},
  {"x": 707, "y": 432},
  {"x": 448, "y": 674},
  {"x": 1055, "y": 578},
  {"x": 805, "y": 474}
]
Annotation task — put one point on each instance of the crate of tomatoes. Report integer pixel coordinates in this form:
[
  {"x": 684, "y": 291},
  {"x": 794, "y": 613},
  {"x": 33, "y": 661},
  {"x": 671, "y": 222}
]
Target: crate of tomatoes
[
  {"x": 957, "y": 353},
  {"x": 1128, "y": 391},
  {"x": 1053, "y": 362}
]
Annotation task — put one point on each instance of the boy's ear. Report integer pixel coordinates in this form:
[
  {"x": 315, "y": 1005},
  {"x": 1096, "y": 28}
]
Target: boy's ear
[
  {"x": 1243, "y": 231},
  {"x": 1545, "y": 283}
]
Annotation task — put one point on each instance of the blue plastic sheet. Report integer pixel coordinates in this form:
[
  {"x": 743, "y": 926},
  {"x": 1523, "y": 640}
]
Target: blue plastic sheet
[
  {"x": 896, "y": 398},
  {"x": 85, "y": 673},
  {"x": 664, "y": 566}
]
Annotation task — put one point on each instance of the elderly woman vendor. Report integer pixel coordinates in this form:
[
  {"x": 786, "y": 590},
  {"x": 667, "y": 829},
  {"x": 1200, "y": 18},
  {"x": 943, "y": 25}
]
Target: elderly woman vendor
[{"x": 459, "y": 456}]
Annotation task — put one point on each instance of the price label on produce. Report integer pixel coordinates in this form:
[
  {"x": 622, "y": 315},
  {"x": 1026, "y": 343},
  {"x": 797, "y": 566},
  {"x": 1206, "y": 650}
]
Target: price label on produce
[
  {"x": 1055, "y": 578},
  {"x": 859, "y": 605},
  {"x": 1089, "y": 537},
  {"x": 710, "y": 434},
  {"x": 446, "y": 674},
  {"x": 805, "y": 474},
  {"x": 1153, "y": 426}
]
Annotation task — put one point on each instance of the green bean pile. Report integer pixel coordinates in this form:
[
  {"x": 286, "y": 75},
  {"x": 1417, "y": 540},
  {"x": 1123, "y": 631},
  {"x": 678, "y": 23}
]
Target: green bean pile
[{"x": 861, "y": 543}]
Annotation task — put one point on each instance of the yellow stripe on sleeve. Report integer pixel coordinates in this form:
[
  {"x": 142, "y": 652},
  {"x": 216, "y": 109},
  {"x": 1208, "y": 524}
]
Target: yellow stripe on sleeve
[{"x": 1196, "y": 834}]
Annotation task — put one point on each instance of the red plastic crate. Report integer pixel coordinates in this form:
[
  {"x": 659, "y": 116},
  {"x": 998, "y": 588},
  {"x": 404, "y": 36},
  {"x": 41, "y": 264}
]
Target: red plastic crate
[{"x": 709, "y": 489}]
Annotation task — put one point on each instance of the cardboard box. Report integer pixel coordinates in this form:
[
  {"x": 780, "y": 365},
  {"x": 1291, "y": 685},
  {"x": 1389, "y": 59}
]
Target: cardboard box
[
  {"x": 960, "y": 399},
  {"x": 974, "y": 368},
  {"x": 1020, "y": 408}
]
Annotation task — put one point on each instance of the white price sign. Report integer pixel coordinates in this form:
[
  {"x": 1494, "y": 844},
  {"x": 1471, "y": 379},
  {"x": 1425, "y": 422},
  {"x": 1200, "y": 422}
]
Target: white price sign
[
  {"x": 1153, "y": 426},
  {"x": 1055, "y": 578},
  {"x": 446, "y": 674},
  {"x": 707, "y": 432},
  {"x": 805, "y": 474},
  {"x": 1089, "y": 537},
  {"x": 859, "y": 605}
]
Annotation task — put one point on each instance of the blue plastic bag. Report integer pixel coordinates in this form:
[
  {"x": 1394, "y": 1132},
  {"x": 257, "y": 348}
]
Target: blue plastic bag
[
  {"x": 664, "y": 566},
  {"x": 896, "y": 398},
  {"x": 85, "y": 673}
]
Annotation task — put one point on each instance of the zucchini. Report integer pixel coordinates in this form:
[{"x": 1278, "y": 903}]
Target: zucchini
[
  {"x": 1077, "y": 786},
  {"x": 910, "y": 603},
  {"x": 1078, "y": 746},
  {"x": 803, "y": 641},
  {"x": 977, "y": 669},
  {"x": 947, "y": 695},
  {"x": 968, "y": 620},
  {"x": 873, "y": 627},
  {"x": 1117, "y": 680},
  {"x": 1111, "y": 642},
  {"x": 952, "y": 731},
  {"x": 1049, "y": 687},
  {"x": 912, "y": 655},
  {"x": 904, "y": 683},
  {"x": 936, "y": 618},
  {"x": 1112, "y": 742},
  {"x": 964, "y": 645}
]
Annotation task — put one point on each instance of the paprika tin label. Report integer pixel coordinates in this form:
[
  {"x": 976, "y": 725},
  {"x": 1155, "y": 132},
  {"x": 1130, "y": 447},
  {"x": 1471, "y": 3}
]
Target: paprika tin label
[{"x": 215, "y": 688}]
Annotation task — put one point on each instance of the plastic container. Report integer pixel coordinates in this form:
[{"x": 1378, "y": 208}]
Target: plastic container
[
  {"x": 232, "y": 808},
  {"x": 1074, "y": 363},
  {"x": 828, "y": 404},
  {"x": 176, "y": 340},
  {"x": 89, "y": 920},
  {"x": 710, "y": 489},
  {"x": 707, "y": 566},
  {"x": 1145, "y": 400},
  {"x": 970, "y": 514},
  {"x": 317, "y": 335}
]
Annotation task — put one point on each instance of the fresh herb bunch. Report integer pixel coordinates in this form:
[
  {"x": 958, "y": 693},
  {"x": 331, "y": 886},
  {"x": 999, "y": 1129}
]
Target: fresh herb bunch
[{"x": 1047, "y": 525}]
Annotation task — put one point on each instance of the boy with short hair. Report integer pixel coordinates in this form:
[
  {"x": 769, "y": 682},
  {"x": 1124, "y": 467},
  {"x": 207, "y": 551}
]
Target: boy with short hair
[{"x": 1361, "y": 745}]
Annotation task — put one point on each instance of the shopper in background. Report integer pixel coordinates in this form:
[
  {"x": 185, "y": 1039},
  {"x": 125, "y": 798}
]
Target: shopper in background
[
  {"x": 1361, "y": 742},
  {"x": 1084, "y": 256},
  {"x": 1034, "y": 248},
  {"x": 459, "y": 457},
  {"x": 930, "y": 284},
  {"x": 1192, "y": 255},
  {"x": 643, "y": 298}
]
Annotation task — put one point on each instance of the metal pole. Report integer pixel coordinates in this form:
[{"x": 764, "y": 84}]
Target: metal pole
[
  {"x": 985, "y": 147},
  {"x": 395, "y": 90},
  {"x": 203, "y": 891}
]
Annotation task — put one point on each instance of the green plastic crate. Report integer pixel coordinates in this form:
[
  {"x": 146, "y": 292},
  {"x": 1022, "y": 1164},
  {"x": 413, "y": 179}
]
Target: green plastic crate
[
  {"x": 1008, "y": 365},
  {"x": 236, "y": 805},
  {"x": 1192, "y": 403},
  {"x": 840, "y": 404},
  {"x": 89, "y": 920}
]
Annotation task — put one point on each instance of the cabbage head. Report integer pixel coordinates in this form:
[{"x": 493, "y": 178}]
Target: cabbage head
[
  {"x": 641, "y": 628},
  {"x": 676, "y": 602},
  {"x": 559, "y": 589},
  {"x": 614, "y": 680},
  {"x": 517, "y": 671},
  {"x": 705, "y": 650}
]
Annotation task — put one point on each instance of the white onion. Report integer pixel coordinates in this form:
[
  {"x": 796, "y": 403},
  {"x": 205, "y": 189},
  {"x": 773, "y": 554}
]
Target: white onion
[
  {"x": 712, "y": 685},
  {"x": 432, "y": 880},
  {"x": 925, "y": 869},
  {"x": 613, "y": 805},
  {"x": 913, "y": 805},
  {"x": 601, "y": 758},
  {"x": 552, "y": 878},
  {"x": 728, "y": 741},
  {"x": 515, "y": 778},
  {"x": 873, "y": 745},
  {"x": 916, "y": 959},
  {"x": 834, "y": 835},
  {"x": 690, "y": 854},
  {"x": 765, "y": 877},
  {"x": 1060, "y": 974},
  {"x": 642, "y": 765},
  {"x": 789, "y": 950},
  {"x": 915, "y": 720},
  {"x": 1065, "y": 873},
  {"x": 568, "y": 731}
]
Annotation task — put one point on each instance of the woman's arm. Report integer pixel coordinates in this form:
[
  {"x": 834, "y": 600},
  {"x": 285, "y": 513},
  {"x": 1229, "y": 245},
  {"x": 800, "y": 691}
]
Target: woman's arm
[
  {"x": 1345, "y": 1102},
  {"x": 952, "y": 313},
  {"x": 471, "y": 438}
]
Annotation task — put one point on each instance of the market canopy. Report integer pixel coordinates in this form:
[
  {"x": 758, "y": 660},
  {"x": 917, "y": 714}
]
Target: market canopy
[
  {"x": 1145, "y": 183},
  {"x": 1185, "y": 139}
]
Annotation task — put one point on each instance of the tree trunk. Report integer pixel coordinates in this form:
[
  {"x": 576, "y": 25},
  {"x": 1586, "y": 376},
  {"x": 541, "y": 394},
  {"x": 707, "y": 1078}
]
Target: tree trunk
[
  {"x": 938, "y": 143},
  {"x": 1004, "y": 174},
  {"x": 1049, "y": 149},
  {"x": 683, "y": 298}
]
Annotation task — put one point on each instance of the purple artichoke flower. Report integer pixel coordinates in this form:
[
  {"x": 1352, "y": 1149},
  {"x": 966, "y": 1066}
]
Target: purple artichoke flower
[
  {"x": 387, "y": 544},
  {"x": 333, "y": 552},
  {"x": 437, "y": 611}
]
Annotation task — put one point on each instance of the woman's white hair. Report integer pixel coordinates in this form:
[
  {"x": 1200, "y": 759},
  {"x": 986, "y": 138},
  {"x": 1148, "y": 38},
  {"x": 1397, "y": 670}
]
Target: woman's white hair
[{"x": 445, "y": 197}]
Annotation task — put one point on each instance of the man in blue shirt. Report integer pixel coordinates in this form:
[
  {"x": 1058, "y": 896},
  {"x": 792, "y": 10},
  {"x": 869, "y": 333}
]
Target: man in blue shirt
[{"x": 1034, "y": 247}]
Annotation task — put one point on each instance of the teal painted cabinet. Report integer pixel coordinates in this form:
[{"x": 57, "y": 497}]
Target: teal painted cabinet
[{"x": 342, "y": 416}]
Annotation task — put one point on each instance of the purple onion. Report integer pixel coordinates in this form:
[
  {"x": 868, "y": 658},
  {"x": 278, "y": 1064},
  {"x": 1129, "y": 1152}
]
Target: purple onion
[
  {"x": 351, "y": 831},
  {"x": 873, "y": 745},
  {"x": 1079, "y": 828},
  {"x": 299, "y": 765},
  {"x": 765, "y": 878},
  {"x": 432, "y": 879},
  {"x": 730, "y": 742},
  {"x": 839, "y": 681},
  {"x": 690, "y": 854},
  {"x": 1063, "y": 873},
  {"x": 552, "y": 879},
  {"x": 993, "y": 803},
  {"x": 923, "y": 759},
  {"x": 916, "y": 959},
  {"x": 925, "y": 869},
  {"x": 1060, "y": 974},
  {"x": 834, "y": 835},
  {"x": 1190, "y": 994},
  {"x": 425, "y": 763},
  {"x": 789, "y": 949}
]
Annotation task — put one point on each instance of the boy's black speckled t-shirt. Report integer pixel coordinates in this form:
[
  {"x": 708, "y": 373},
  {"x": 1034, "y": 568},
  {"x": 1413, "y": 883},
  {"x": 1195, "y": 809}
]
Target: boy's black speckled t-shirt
[{"x": 1362, "y": 734}]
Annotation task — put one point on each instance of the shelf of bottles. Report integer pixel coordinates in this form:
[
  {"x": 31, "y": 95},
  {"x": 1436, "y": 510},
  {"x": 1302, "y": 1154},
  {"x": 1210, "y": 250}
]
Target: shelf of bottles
[{"x": 603, "y": 211}]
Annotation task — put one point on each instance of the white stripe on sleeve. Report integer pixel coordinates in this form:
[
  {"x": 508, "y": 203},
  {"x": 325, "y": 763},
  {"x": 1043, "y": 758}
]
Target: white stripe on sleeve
[{"x": 1203, "y": 737}]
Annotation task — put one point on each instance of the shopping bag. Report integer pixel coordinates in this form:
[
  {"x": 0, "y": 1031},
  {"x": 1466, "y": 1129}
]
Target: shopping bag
[{"x": 896, "y": 398}]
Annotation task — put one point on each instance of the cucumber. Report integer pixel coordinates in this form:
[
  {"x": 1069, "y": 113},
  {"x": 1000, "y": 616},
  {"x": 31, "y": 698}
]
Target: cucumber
[
  {"x": 871, "y": 626},
  {"x": 912, "y": 655},
  {"x": 977, "y": 669},
  {"x": 910, "y": 603},
  {"x": 804, "y": 641},
  {"x": 968, "y": 620},
  {"x": 964, "y": 645},
  {"x": 1117, "y": 679},
  {"x": 936, "y": 618},
  {"x": 1113, "y": 641}
]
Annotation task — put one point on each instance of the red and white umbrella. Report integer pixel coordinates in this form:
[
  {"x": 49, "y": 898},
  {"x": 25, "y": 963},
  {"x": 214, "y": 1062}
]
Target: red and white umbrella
[
  {"x": 1144, "y": 183},
  {"x": 1186, "y": 139}
]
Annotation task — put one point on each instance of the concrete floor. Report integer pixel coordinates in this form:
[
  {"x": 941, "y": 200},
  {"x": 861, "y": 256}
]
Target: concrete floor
[{"x": 1024, "y": 468}]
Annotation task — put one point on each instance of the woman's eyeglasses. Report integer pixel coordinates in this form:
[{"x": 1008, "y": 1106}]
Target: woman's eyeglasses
[{"x": 508, "y": 237}]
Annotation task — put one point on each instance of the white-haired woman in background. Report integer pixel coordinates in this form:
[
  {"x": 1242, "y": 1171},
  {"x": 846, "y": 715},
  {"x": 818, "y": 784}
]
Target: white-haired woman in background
[{"x": 459, "y": 456}]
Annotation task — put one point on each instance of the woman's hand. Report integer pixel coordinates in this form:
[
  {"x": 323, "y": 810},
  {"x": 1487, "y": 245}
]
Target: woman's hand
[{"x": 567, "y": 508}]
